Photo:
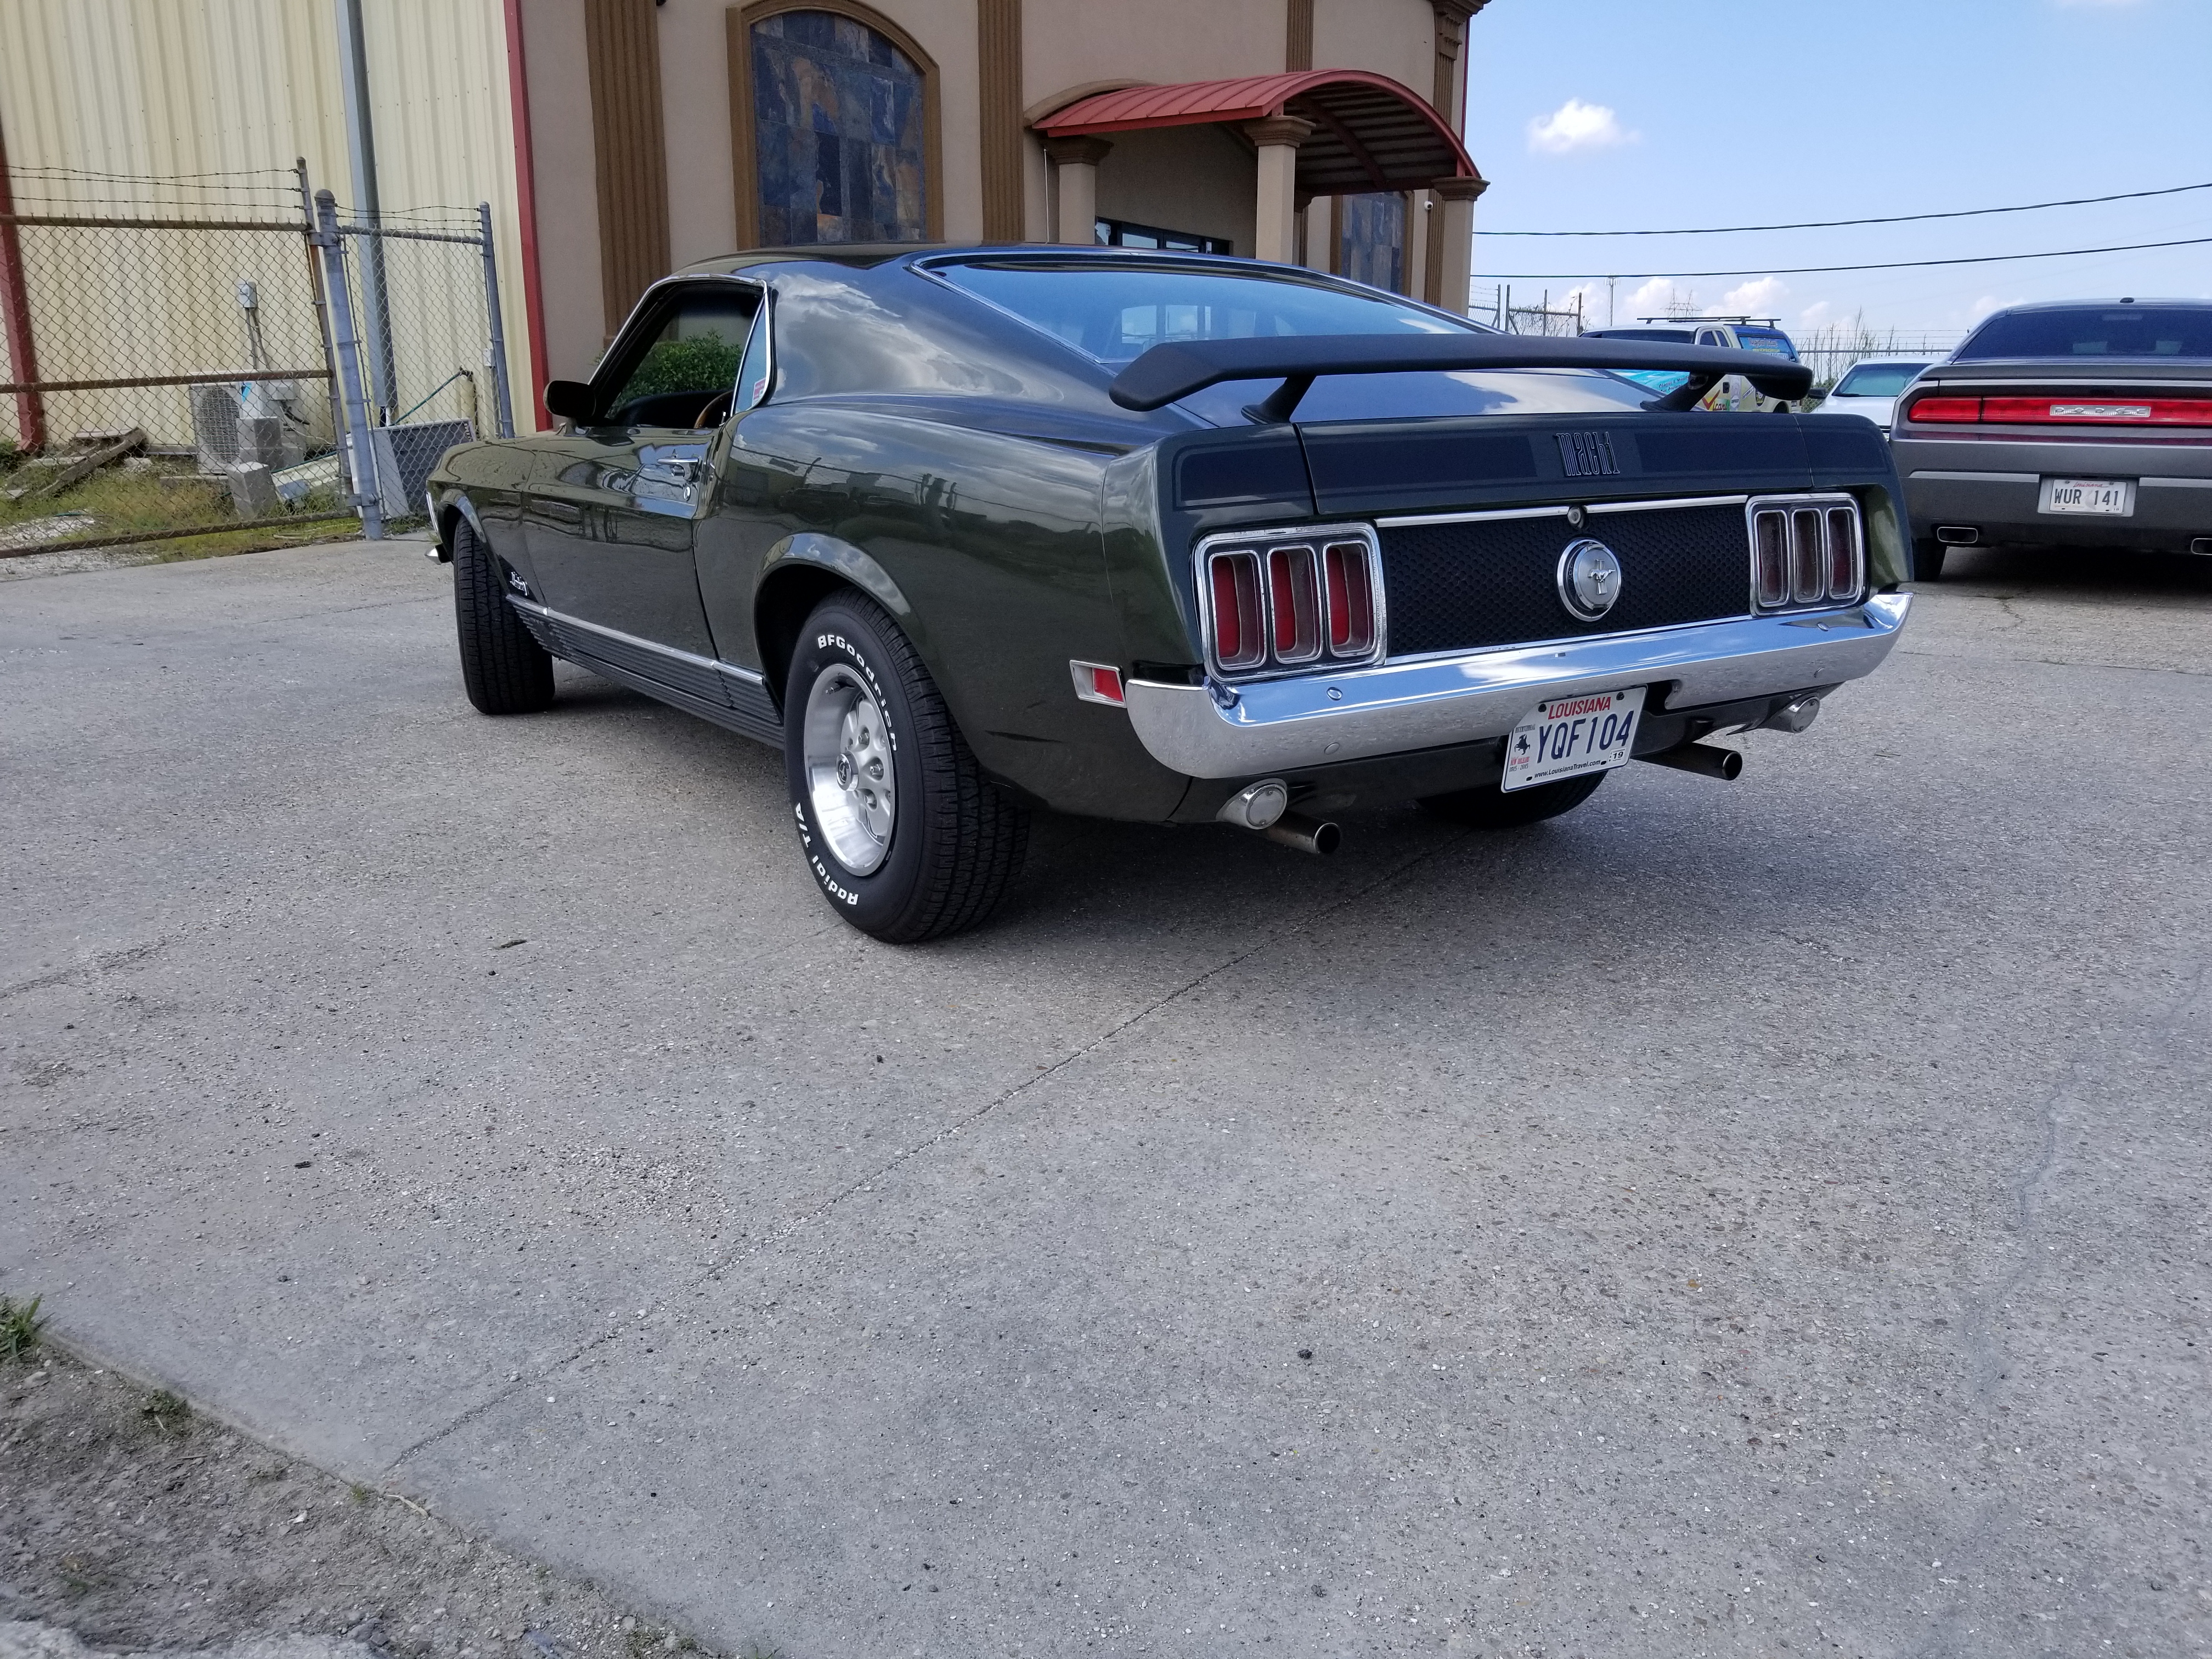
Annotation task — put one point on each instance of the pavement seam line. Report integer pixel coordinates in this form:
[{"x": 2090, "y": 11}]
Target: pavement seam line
[{"x": 776, "y": 1235}]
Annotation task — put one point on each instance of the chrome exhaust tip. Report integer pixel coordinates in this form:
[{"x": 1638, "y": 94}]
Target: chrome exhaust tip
[
  {"x": 1307, "y": 834},
  {"x": 1257, "y": 805},
  {"x": 1707, "y": 760},
  {"x": 1793, "y": 716},
  {"x": 1957, "y": 535}
]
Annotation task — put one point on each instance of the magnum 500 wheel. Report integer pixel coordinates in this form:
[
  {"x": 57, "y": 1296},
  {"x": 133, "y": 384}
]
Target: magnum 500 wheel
[
  {"x": 505, "y": 671},
  {"x": 905, "y": 836}
]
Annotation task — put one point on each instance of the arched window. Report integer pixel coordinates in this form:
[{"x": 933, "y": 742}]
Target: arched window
[{"x": 841, "y": 129}]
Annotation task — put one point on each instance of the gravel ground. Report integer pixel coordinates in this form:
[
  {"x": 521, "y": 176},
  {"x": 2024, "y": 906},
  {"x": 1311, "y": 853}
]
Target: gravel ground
[{"x": 130, "y": 1522}]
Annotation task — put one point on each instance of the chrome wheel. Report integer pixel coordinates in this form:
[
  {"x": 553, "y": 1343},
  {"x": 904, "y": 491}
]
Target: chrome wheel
[{"x": 847, "y": 761}]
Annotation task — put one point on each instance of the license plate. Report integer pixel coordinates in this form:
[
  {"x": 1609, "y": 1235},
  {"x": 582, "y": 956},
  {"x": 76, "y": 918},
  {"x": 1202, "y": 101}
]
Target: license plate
[
  {"x": 2107, "y": 497},
  {"x": 1570, "y": 736}
]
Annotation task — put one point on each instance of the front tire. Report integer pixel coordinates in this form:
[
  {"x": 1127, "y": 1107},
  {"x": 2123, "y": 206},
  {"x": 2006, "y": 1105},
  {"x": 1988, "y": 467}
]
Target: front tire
[
  {"x": 1492, "y": 808},
  {"x": 905, "y": 836},
  {"x": 505, "y": 671}
]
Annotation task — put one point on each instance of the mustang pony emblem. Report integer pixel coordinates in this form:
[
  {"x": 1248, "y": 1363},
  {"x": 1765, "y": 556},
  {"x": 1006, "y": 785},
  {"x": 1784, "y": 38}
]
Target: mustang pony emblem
[{"x": 1589, "y": 579}]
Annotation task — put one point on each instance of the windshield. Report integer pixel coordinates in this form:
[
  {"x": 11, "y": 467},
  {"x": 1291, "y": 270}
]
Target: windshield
[
  {"x": 1877, "y": 380},
  {"x": 1115, "y": 312},
  {"x": 2095, "y": 331}
]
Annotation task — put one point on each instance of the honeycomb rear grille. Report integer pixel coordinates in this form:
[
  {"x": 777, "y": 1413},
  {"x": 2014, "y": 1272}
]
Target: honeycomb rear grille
[{"x": 1472, "y": 584}]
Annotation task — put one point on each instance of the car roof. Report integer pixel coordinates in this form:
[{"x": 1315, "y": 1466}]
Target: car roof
[{"x": 2100, "y": 304}]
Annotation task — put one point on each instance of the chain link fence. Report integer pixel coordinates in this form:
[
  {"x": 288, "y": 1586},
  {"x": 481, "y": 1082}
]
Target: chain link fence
[{"x": 176, "y": 352}]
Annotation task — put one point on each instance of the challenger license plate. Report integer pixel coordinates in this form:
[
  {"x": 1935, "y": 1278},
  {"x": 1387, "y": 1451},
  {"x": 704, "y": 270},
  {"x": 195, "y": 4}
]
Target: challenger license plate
[
  {"x": 1569, "y": 736},
  {"x": 2110, "y": 497}
]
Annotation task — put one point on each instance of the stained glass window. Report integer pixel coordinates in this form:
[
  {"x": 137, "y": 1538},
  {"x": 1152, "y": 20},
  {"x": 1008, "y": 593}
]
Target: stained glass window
[
  {"x": 837, "y": 113},
  {"x": 1372, "y": 243}
]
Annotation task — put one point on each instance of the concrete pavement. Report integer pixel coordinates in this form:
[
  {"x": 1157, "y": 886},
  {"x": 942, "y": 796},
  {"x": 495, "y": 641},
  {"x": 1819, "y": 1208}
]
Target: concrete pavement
[{"x": 1730, "y": 1217}]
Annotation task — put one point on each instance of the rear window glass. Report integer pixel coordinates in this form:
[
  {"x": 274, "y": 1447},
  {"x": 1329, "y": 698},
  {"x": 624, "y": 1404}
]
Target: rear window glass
[
  {"x": 1116, "y": 313},
  {"x": 1771, "y": 340},
  {"x": 2095, "y": 331},
  {"x": 1877, "y": 380}
]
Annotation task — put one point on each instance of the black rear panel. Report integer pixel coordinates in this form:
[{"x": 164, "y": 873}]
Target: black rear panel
[{"x": 1488, "y": 582}]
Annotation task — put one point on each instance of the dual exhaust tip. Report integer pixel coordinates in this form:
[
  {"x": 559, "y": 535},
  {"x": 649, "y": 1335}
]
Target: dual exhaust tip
[{"x": 1266, "y": 806}]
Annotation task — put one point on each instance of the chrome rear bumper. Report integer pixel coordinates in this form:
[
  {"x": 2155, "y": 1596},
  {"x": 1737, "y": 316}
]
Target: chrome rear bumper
[{"x": 1321, "y": 720}]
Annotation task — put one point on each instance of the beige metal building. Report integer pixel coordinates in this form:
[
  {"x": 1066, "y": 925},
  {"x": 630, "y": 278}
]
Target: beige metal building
[{"x": 615, "y": 139}]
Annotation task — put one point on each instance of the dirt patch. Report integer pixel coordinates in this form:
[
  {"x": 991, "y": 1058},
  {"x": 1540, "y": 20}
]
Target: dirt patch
[{"x": 132, "y": 1522}]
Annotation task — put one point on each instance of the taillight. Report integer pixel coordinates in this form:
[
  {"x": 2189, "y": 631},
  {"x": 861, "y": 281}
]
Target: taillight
[
  {"x": 1808, "y": 556},
  {"x": 1805, "y": 551},
  {"x": 2063, "y": 409},
  {"x": 1770, "y": 534},
  {"x": 1285, "y": 604},
  {"x": 1955, "y": 409},
  {"x": 1351, "y": 600},
  {"x": 1294, "y": 604},
  {"x": 1239, "y": 640},
  {"x": 2095, "y": 411}
]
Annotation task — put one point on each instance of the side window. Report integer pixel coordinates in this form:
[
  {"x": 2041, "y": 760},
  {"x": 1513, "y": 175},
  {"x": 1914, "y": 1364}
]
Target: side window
[
  {"x": 1707, "y": 337},
  {"x": 684, "y": 371}
]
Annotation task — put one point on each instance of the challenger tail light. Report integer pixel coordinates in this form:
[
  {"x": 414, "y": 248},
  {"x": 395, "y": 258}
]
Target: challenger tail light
[
  {"x": 1288, "y": 604},
  {"x": 1805, "y": 551},
  {"x": 2069, "y": 408}
]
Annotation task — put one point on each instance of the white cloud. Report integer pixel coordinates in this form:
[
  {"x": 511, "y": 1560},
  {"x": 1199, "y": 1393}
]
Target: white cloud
[
  {"x": 1757, "y": 298},
  {"x": 1659, "y": 298},
  {"x": 1815, "y": 315},
  {"x": 1576, "y": 126}
]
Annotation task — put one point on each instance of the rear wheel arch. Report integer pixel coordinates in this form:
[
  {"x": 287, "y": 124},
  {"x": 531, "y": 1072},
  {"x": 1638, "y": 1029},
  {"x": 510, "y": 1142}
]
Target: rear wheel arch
[{"x": 803, "y": 570}]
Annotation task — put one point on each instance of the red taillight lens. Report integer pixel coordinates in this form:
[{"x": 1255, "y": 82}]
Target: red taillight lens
[
  {"x": 1771, "y": 549},
  {"x": 1843, "y": 553},
  {"x": 1808, "y": 561},
  {"x": 1239, "y": 641},
  {"x": 2093, "y": 409},
  {"x": 1966, "y": 410},
  {"x": 1294, "y": 604},
  {"x": 1351, "y": 600}
]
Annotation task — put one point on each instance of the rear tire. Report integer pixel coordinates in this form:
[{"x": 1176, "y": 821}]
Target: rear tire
[
  {"x": 1928, "y": 559},
  {"x": 1492, "y": 808},
  {"x": 505, "y": 671},
  {"x": 909, "y": 845}
]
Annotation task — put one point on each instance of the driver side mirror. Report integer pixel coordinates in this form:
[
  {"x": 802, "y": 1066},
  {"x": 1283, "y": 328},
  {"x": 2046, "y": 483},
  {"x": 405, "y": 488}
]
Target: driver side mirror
[{"x": 568, "y": 400}]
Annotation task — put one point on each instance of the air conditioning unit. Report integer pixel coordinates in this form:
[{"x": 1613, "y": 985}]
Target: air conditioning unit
[{"x": 403, "y": 455}]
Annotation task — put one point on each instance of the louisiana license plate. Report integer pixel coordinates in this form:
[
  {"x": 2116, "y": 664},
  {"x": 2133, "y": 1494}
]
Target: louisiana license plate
[
  {"x": 1569, "y": 736},
  {"x": 2110, "y": 497}
]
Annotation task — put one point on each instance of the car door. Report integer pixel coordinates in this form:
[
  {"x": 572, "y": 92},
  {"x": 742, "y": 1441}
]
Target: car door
[
  {"x": 614, "y": 503},
  {"x": 1729, "y": 392}
]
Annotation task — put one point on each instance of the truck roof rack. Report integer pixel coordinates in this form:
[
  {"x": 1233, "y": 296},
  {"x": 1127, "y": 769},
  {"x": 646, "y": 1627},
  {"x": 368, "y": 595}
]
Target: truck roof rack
[{"x": 1763, "y": 322}]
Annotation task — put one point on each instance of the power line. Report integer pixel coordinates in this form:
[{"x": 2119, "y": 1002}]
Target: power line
[
  {"x": 1891, "y": 219},
  {"x": 1810, "y": 270}
]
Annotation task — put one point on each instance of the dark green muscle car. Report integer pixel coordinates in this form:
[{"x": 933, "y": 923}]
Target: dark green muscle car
[{"x": 968, "y": 533}]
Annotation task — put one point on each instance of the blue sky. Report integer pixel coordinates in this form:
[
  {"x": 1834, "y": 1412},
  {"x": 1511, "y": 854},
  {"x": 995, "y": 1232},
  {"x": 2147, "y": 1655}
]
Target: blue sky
[{"x": 1606, "y": 114}]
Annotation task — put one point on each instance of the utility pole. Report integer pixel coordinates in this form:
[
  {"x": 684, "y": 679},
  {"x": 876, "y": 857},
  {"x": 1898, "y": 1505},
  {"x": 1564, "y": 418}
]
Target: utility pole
[{"x": 361, "y": 153}]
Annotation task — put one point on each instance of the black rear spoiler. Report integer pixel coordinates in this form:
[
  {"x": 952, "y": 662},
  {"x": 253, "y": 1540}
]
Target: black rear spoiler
[{"x": 1167, "y": 373}]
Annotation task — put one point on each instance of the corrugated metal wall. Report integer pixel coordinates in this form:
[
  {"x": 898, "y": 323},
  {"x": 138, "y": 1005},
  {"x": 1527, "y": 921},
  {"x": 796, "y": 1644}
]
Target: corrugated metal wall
[{"x": 221, "y": 96}]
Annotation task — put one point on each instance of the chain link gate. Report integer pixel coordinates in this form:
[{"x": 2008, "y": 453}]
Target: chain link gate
[{"x": 176, "y": 353}]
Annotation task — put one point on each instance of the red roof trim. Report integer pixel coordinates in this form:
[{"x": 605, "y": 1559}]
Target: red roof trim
[{"x": 1192, "y": 103}]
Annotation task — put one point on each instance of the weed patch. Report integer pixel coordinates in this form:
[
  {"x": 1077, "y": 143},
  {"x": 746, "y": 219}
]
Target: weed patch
[{"x": 20, "y": 1325}]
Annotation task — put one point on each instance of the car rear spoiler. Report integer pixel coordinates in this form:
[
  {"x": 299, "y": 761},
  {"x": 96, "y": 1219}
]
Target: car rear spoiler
[{"x": 1167, "y": 373}]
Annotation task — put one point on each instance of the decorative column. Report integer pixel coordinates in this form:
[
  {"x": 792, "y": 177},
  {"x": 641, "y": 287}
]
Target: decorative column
[
  {"x": 1275, "y": 227},
  {"x": 1075, "y": 165},
  {"x": 1453, "y": 231},
  {"x": 1320, "y": 233}
]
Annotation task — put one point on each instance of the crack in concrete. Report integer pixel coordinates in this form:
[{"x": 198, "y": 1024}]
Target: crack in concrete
[
  {"x": 106, "y": 962},
  {"x": 778, "y": 1235}
]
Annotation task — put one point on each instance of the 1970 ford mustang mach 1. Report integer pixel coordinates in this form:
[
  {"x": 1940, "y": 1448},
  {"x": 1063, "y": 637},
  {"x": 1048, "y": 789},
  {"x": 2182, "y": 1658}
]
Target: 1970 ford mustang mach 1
[{"x": 1171, "y": 539}]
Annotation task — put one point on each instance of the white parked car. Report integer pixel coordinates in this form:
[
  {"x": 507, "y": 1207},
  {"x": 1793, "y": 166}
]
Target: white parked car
[{"x": 1871, "y": 389}]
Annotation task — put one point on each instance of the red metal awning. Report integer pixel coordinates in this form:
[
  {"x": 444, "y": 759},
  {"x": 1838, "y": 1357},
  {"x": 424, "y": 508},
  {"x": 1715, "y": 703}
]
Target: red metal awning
[{"x": 1370, "y": 132}]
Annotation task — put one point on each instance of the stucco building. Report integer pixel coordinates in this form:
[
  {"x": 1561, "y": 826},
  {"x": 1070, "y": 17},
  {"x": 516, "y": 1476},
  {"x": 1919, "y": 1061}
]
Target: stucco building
[{"x": 615, "y": 139}]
